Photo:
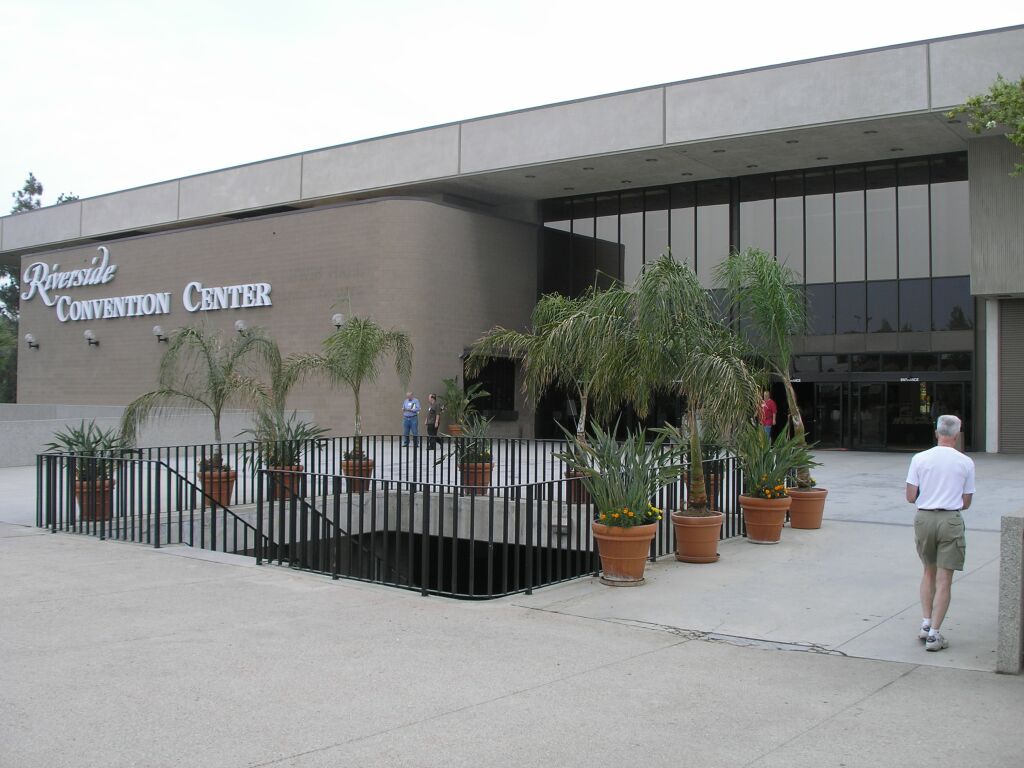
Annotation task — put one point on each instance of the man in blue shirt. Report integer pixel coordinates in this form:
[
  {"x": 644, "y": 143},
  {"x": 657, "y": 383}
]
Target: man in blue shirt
[{"x": 410, "y": 419}]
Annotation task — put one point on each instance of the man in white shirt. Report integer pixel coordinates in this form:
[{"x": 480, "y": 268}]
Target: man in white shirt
[{"x": 941, "y": 483}]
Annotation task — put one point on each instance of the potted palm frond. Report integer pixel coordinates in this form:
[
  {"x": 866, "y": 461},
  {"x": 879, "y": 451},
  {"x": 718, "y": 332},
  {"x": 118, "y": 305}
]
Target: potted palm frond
[
  {"x": 766, "y": 465},
  {"x": 280, "y": 442},
  {"x": 622, "y": 478},
  {"x": 457, "y": 403},
  {"x": 767, "y": 297},
  {"x": 682, "y": 346},
  {"x": 200, "y": 369},
  {"x": 91, "y": 449},
  {"x": 351, "y": 357}
]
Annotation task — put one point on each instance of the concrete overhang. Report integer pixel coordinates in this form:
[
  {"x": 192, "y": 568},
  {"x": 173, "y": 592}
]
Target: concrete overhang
[{"x": 875, "y": 105}]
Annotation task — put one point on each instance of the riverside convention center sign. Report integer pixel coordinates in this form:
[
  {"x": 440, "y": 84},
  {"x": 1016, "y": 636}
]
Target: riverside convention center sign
[{"x": 48, "y": 282}]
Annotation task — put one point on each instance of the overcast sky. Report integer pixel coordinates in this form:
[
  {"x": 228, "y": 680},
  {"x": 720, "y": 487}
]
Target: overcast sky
[{"x": 105, "y": 95}]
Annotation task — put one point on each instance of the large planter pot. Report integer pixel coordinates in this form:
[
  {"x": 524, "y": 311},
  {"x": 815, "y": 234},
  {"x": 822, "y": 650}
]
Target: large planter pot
[
  {"x": 575, "y": 491},
  {"x": 356, "y": 469},
  {"x": 624, "y": 552},
  {"x": 807, "y": 508},
  {"x": 476, "y": 476},
  {"x": 219, "y": 484},
  {"x": 764, "y": 518},
  {"x": 697, "y": 536},
  {"x": 455, "y": 430},
  {"x": 95, "y": 499},
  {"x": 286, "y": 481}
]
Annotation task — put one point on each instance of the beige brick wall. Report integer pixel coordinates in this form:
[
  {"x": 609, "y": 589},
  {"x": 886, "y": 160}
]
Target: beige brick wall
[{"x": 442, "y": 274}]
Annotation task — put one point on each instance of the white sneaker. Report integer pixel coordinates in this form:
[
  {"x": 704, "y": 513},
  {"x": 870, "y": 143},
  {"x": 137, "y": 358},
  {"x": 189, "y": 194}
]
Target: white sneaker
[
  {"x": 923, "y": 634},
  {"x": 936, "y": 642}
]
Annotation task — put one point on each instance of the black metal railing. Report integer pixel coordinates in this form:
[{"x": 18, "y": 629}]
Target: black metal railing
[
  {"x": 455, "y": 539},
  {"x": 134, "y": 499}
]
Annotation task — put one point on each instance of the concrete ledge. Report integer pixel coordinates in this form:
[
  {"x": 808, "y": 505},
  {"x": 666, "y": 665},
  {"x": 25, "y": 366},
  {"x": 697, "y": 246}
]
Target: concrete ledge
[{"x": 1009, "y": 650}]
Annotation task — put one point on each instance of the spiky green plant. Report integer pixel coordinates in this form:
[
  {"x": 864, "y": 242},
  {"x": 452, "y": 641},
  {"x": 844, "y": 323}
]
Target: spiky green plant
[
  {"x": 92, "y": 448},
  {"x": 766, "y": 463},
  {"x": 199, "y": 369},
  {"x": 623, "y": 476},
  {"x": 458, "y": 403},
  {"x": 280, "y": 439},
  {"x": 352, "y": 357},
  {"x": 767, "y": 296}
]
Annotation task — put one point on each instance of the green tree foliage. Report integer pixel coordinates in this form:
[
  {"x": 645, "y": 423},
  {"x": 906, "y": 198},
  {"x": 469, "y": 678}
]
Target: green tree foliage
[{"x": 1001, "y": 107}]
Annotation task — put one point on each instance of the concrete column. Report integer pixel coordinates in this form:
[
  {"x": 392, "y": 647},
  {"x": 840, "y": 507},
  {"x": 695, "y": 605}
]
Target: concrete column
[
  {"x": 992, "y": 376},
  {"x": 1010, "y": 646}
]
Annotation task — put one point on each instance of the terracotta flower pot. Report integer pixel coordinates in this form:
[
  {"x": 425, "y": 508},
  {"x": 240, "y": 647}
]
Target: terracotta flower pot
[
  {"x": 808, "y": 507},
  {"x": 764, "y": 518},
  {"x": 455, "y": 430},
  {"x": 95, "y": 499},
  {"x": 697, "y": 537},
  {"x": 475, "y": 477},
  {"x": 624, "y": 552},
  {"x": 283, "y": 483},
  {"x": 218, "y": 484},
  {"x": 354, "y": 470}
]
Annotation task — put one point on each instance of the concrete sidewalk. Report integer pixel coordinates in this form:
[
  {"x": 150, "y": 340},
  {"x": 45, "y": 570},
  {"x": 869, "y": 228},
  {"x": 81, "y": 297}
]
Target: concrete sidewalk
[{"x": 799, "y": 654}]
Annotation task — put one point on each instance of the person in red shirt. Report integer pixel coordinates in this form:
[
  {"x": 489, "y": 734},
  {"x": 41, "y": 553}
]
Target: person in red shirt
[{"x": 768, "y": 413}]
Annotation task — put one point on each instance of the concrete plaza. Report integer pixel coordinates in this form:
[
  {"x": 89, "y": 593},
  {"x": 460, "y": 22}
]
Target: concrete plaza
[{"x": 799, "y": 654}]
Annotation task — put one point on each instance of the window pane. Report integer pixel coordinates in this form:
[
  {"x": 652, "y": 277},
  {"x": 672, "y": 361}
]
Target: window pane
[
  {"x": 864, "y": 363},
  {"x": 882, "y": 307},
  {"x": 805, "y": 364},
  {"x": 557, "y": 214},
  {"x": 894, "y": 362},
  {"x": 756, "y": 225},
  {"x": 683, "y": 224},
  {"x": 952, "y": 304},
  {"x": 821, "y": 309},
  {"x": 924, "y": 362},
  {"x": 850, "y": 302},
  {"x": 789, "y": 233},
  {"x": 835, "y": 364},
  {"x": 655, "y": 224},
  {"x": 955, "y": 361},
  {"x": 631, "y": 233},
  {"x": 849, "y": 235},
  {"x": 951, "y": 229},
  {"x": 820, "y": 246},
  {"x": 712, "y": 227},
  {"x": 881, "y": 227},
  {"x": 915, "y": 305},
  {"x": 914, "y": 231}
]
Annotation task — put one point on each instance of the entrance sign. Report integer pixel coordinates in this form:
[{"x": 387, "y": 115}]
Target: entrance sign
[{"x": 45, "y": 280}]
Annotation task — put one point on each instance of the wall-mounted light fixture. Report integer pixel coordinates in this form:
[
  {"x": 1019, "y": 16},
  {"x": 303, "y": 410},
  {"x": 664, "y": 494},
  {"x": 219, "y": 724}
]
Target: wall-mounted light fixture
[
  {"x": 31, "y": 341},
  {"x": 90, "y": 337},
  {"x": 240, "y": 326},
  {"x": 338, "y": 319},
  {"x": 159, "y": 333}
]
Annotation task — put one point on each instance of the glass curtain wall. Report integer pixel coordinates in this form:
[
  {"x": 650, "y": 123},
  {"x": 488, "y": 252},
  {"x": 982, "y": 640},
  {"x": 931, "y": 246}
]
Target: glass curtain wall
[{"x": 882, "y": 249}]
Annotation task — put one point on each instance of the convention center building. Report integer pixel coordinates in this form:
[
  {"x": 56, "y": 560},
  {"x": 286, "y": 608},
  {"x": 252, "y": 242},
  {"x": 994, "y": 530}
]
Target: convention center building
[{"x": 906, "y": 229}]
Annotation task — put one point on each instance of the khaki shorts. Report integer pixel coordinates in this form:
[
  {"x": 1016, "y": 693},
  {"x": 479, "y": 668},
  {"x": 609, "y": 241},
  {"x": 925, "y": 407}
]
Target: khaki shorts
[{"x": 940, "y": 539}]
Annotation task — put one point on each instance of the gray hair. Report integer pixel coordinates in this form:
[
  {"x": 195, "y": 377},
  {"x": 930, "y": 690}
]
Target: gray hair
[{"x": 948, "y": 426}]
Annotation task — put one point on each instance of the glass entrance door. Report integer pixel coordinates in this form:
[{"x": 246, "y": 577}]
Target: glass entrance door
[
  {"x": 867, "y": 416},
  {"x": 910, "y": 422},
  {"x": 827, "y": 424}
]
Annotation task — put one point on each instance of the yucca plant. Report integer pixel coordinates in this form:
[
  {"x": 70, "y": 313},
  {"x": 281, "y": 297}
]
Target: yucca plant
[
  {"x": 92, "y": 448},
  {"x": 623, "y": 476},
  {"x": 280, "y": 439},
  {"x": 766, "y": 463}
]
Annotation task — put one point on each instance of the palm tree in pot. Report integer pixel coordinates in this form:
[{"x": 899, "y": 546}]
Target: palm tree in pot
[
  {"x": 683, "y": 347},
  {"x": 201, "y": 370},
  {"x": 458, "y": 403},
  {"x": 351, "y": 358},
  {"x": 582, "y": 344},
  {"x": 766, "y": 296}
]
